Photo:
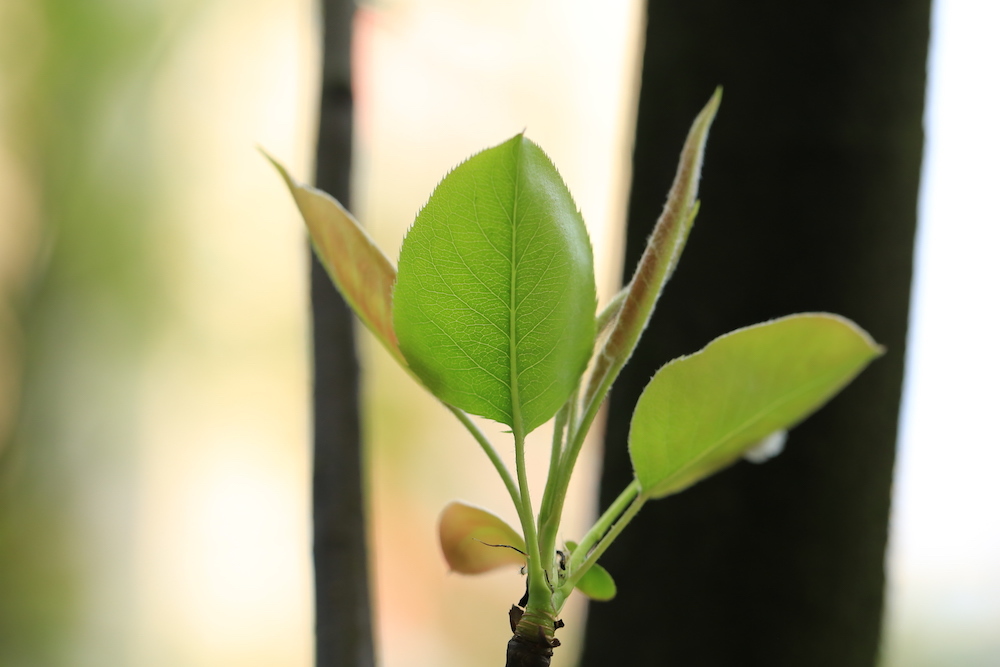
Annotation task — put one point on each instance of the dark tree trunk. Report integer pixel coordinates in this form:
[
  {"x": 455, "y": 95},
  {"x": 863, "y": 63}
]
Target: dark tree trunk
[
  {"x": 809, "y": 203},
  {"x": 343, "y": 611}
]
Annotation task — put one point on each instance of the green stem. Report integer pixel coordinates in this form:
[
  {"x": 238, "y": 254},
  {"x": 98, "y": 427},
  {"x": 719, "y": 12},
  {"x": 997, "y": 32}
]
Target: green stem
[
  {"x": 589, "y": 415},
  {"x": 550, "y": 512},
  {"x": 558, "y": 437},
  {"x": 610, "y": 312},
  {"x": 538, "y": 589},
  {"x": 560, "y": 483},
  {"x": 604, "y": 523},
  {"x": 491, "y": 453},
  {"x": 577, "y": 569}
]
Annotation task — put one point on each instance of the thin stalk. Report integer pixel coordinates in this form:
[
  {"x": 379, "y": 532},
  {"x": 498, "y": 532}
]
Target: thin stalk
[
  {"x": 604, "y": 523},
  {"x": 491, "y": 453},
  {"x": 558, "y": 439},
  {"x": 550, "y": 512},
  {"x": 573, "y": 404},
  {"x": 538, "y": 588},
  {"x": 580, "y": 569},
  {"x": 576, "y": 434},
  {"x": 557, "y": 486}
]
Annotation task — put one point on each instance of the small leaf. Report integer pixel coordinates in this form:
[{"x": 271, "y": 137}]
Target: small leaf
[
  {"x": 359, "y": 270},
  {"x": 702, "y": 412},
  {"x": 495, "y": 298},
  {"x": 466, "y": 532},
  {"x": 597, "y": 584}
]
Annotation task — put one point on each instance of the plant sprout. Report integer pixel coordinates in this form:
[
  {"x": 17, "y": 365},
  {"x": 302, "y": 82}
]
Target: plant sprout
[{"x": 493, "y": 310}]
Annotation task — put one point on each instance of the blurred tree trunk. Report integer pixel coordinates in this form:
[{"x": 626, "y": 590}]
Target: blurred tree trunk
[
  {"x": 343, "y": 611},
  {"x": 809, "y": 203}
]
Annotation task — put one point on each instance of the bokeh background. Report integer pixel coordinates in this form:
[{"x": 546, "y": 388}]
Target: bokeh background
[{"x": 153, "y": 315}]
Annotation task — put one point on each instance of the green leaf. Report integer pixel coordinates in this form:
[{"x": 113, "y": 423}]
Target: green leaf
[
  {"x": 597, "y": 584},
  {"x": 474, "y": 540},
  {"x": 702, "y": 412},
  {"x": 658, "y": 261},
  {"x": 359, "y": 270},
  {"x": 495, "y": 298}
]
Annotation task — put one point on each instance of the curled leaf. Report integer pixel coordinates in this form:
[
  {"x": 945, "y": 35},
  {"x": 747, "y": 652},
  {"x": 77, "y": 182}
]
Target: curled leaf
[
  {"x": 658, "y": 261},
  {"x": 360, "y": 271},
  {"x": 474, "y": 540}
]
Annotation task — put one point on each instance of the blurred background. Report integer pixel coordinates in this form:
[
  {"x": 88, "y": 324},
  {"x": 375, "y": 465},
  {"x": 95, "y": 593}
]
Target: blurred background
[{"x": 154, "y": 417}]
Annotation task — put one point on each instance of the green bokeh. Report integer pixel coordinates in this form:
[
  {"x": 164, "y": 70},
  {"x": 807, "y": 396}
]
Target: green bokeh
[{"x": 75, "y": 126}]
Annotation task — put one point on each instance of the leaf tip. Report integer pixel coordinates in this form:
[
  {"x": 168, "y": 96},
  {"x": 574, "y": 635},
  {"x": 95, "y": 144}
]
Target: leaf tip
[
  {"x": 708, "y": 112},
  {"x": 289, "y": 181}
]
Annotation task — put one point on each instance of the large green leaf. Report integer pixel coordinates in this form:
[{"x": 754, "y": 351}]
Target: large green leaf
[
  {"x": 700, "y": 413},
  {"x": 494, "y": 300}
]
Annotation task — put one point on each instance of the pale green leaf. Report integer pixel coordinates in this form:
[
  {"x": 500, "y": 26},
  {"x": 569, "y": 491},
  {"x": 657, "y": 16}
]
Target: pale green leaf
[
  {"x": 597, "y": 584},
  {"x": 474, "y": 540},
  {"x": 360, "y": 271},
  {"x": 495, "y": 298},
  {"x": 702, "y": 412}
]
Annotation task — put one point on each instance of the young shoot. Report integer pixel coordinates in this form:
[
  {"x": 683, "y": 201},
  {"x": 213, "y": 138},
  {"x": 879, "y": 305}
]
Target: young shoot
[{"x": 493, "y": 310}]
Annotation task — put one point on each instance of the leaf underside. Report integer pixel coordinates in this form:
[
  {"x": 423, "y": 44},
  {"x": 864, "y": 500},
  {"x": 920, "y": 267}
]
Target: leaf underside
[
  {"x": 702, "y": 412},
  {"x": 361, "y": 272},
  {"x": 597, "y": 584},
  {"x": 474, "y": 540},
  {"x": 495, "y": 298}
]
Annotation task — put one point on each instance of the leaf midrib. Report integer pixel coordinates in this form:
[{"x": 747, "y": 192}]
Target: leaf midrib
[{"x": 515, "y": 403}]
